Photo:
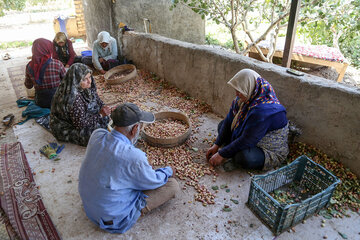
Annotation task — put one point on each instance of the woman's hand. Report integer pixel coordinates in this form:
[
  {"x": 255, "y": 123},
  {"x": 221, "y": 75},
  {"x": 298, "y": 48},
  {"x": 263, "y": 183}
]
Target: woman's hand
[
  {"x": 67, "y": 66},
  {"x": 101, "y": 60},
  {"x": 105, "y": 111},
  {"x": 102, "y": 71},
  {"x": 211, "y": 151},
  {"x": 216, "y": 160}
]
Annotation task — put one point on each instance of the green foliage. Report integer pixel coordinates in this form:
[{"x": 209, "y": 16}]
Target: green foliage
[
  {"x": 322, "y": 22},
  {"x": 19, "y": 5},
  {"x": 229, "y": 44},
  {"x": 15, "y": 44},
  {"x": 332, "y": 23},
  {"x": 211, "y": 40},
  {"x": 37, "y": 2},
  {"x": 351, "y": 50},
  {"x": 11, "y": 5}
]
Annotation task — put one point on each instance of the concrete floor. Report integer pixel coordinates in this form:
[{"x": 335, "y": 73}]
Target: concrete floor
[{"x": 180, "y": 218}]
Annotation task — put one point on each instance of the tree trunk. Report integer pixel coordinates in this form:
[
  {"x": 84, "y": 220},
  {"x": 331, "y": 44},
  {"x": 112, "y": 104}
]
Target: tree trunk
[
  {"x": 235, "y": 40},
  {"x": 336, "y": 36}
]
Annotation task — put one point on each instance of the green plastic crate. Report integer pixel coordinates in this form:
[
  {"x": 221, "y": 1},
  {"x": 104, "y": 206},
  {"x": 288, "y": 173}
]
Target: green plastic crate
[{"x": 279, "y": 217}]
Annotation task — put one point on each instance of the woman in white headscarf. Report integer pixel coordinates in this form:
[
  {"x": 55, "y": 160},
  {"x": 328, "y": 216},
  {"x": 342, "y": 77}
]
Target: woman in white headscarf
[
  {"x": 255, "y": 131},
  {"x": 104, "y": 53}
]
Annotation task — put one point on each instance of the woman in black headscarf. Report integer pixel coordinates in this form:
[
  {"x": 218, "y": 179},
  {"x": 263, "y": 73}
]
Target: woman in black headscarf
[{"x": 76, "y": 109}]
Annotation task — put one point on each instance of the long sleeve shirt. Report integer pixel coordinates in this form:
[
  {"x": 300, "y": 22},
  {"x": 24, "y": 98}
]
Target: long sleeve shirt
[
  {"x": 72, "y": 54},
  {"x": 80, "y": 116},
  {"x": 53, "y": 75},
  {"x": 112, "y": 177},
  {"x": 110, "y": 52},
  {"x": 249, "y": 136}
]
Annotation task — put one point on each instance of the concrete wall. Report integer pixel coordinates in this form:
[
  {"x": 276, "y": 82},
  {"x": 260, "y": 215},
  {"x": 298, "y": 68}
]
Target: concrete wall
[
  {"x": 180, "y": 23},
  {"x": 97, "y": 16},
  {"x": 327, "y": 112}
]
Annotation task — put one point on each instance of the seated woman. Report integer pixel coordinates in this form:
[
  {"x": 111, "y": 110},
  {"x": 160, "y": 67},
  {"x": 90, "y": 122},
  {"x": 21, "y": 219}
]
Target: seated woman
[
  {"x": 43, "y": 72},
  {"x": 63, "y": 49},
  {"x": 77, "y": 109},
  {"x": 255, "y": 131},
  {"x": 104, "y": 53}
]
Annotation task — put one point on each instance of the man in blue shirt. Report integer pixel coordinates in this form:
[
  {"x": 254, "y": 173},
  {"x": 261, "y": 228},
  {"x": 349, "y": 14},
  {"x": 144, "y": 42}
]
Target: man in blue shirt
[{"x": 116, "y": 182}]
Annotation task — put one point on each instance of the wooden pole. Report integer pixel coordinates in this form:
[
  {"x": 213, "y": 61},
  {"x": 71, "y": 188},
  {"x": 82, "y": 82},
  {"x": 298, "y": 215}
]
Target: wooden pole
[{"x": 291, "y": 32}]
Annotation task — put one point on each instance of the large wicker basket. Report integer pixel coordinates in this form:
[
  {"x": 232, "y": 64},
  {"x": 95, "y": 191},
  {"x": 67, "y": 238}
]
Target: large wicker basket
[
  {"x": 168, "y": 142},
  {"x": 120, "y": 69}
]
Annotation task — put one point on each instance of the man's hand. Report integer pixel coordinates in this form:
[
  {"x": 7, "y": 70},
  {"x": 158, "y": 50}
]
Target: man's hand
[
  {"x": 102, "y": 71},
  {"x": 101, "y": 60},
  {"x": 67, "y": 66},
  {"x": 105, "y": 111},
  {"x": 211, "y": 151},
  {"x": 216, "y": 160},
  {"x": 174, "y": 171}
]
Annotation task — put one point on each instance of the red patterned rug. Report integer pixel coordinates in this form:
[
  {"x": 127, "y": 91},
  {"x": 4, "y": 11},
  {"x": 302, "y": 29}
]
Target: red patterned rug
[{"x": 19, "y": 197}]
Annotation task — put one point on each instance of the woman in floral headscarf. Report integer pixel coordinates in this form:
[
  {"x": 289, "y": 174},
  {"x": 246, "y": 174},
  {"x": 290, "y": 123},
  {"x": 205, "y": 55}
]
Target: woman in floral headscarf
[
  {"x": 255, "y": 131},
  {"x": 43, "y": 72},
  {"x": 77, "y": 109}
]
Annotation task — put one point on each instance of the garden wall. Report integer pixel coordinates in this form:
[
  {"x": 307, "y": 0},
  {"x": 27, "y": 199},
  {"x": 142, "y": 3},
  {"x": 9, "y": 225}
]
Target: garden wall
[
  {"x": 180, "y": 23},
  {"x": 327, "y": 112}
]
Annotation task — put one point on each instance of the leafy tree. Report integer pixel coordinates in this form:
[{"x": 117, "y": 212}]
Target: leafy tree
[
  {"x": 331, "y": 22},
  {"x": 248, "y": 16},
  {"x": 19, "y": 5},
  {"x": 336, "y": 24},
  {"x": 11, "y": 5}
]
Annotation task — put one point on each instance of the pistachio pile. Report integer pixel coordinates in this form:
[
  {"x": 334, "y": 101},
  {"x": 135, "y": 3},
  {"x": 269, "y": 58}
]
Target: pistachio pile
[
  {"x": 188, "y": 160},
  {"x": 294, "y": 192},
  {"x": 166, "y": 128},
  {"x": 347, "y": 193}
]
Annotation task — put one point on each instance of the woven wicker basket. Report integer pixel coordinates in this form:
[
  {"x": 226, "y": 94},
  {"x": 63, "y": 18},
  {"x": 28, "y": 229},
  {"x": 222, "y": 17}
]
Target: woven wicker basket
[
  {"x": 120, "y": 69},
  {"x": 168, "y": 142}
]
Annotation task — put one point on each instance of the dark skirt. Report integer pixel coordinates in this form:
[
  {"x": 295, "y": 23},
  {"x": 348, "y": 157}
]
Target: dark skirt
[{"x": 43, "y": 97}]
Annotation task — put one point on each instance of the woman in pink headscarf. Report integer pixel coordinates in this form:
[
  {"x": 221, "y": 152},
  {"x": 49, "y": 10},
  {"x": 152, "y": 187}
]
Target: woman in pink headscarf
[{"x": 43, "y": 72}]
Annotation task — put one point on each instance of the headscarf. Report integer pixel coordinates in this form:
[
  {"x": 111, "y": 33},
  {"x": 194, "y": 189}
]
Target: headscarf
[
  {"x": 62, "y": 51},
  {"x": 256, "y": 90},
  {"x": 244, "y": 81},
  {"x": 104, "y": 37},
  {"x": 70, "y": 87},
  {"x": 41, "y": 57},
  {"x": 60, "y": 37}
]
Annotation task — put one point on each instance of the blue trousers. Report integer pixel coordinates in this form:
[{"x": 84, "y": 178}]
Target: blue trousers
[{"x": 249, "y": 158}]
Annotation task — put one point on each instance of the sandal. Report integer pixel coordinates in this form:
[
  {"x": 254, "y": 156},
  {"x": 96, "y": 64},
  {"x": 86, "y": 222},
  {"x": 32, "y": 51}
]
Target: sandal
[
  {"x": 6, "y": 56},
  {"x": 8, "y": 119},
  {"x": 229, "y": 165}
]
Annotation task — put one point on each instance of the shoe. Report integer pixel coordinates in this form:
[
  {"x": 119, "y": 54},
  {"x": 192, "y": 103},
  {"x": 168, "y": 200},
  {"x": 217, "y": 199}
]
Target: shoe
[
  {"x": 6, "y": 56},
  {"x": 8, "y": 119},
  {"x": 229, "y": 165}
]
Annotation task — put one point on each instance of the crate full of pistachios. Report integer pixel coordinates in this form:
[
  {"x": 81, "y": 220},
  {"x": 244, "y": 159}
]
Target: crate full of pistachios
[{"x": 286, "y": 196}]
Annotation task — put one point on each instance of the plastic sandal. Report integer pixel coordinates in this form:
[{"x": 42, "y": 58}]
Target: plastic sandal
[
  {"x": 8, "y": 119},
  {"x": 6, "y": 56}
]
